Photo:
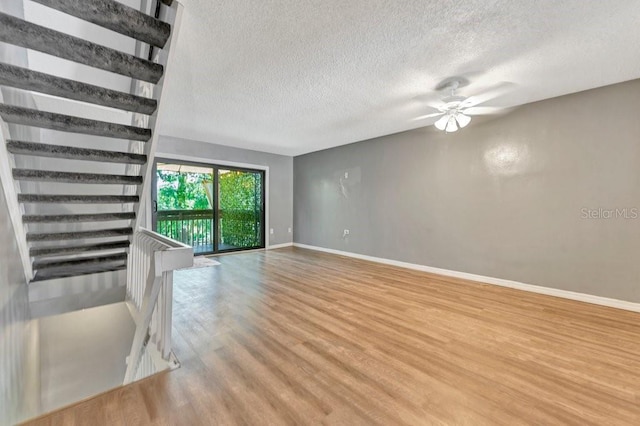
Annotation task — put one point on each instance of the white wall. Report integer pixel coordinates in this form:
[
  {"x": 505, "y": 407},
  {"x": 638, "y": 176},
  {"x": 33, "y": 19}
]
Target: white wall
[
  {"x": 18, "y": 337},
  {"x": 69, "y": 375},
  {"x": 16, "y": 329}
]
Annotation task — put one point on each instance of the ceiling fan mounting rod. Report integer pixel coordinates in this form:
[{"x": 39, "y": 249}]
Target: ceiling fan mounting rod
[
  {"x": 452, "y": 83},
  {"x": 453, "y": 86}
]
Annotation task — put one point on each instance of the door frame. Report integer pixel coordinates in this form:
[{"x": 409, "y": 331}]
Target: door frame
[{"x": 211, "y": 162}]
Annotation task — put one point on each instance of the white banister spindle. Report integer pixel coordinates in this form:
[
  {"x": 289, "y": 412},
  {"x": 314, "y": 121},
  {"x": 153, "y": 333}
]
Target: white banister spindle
[
  {"x": 152, "y": 260},
  {"x": 167, "y": 315}
]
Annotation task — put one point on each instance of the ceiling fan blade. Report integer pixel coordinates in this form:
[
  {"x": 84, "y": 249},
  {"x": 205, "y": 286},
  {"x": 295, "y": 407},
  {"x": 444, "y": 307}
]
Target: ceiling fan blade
[
  {"x": 423, "y": 117},
  {"x": 437, "y": 105},
  {"x": 492, "y": 93},
  {"x": 431, "y": 100},
  {"x": 484, "y": 110},
  {"x": 427, "y": 97}
]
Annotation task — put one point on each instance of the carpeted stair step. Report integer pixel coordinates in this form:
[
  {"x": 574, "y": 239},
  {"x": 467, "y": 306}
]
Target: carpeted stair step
[
  {"x": 25, "y": 79},
  {"x": 69, "y": 123},
  {"x": 71, "y": 177},
  {"x": 60, "y": 236},
  {"x": 77, "y": 218},
  {"x": 75, "y": 271},
  {"x": 31, "y": 36},
  {"x": 41, "y": 264},
  {"x": 74, "y": 249},
  {"x": 71, "y": 153},
  {"x": 78, "y": 199},
  {"x": 117, "y": 17}
]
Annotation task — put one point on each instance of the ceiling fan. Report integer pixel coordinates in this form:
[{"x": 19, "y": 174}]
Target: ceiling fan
[{"x": 455, "y": 111}]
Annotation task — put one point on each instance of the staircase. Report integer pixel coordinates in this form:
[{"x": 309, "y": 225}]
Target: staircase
[
  {"x": 75, "y": 222},
  {"x": 77, "y": 135}
]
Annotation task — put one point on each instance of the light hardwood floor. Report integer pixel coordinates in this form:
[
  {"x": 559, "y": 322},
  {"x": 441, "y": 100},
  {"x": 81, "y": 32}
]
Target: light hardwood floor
[{"x": 292, "y": 336}]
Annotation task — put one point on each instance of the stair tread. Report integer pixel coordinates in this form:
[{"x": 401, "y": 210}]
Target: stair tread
[
  {"x": 53, "y": 251},
  {"x": 72, "y": 177},
  {"x": 72, "y": 153},
  {"x": 36, "y": 37},
  {"x": 44, "y": 275},
  {"x": 71, "y": 124},
  {"x": 26, "y": 79},
  {"x": 116, "y": 17},
  {"x": 77, "y": 199},
  {"x": 41, "y": 264},
  {"x": 97, "y": 233},
  {"x": 75, "y": 218}
]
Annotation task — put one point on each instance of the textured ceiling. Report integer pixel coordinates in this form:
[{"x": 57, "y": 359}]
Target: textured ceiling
[{"x": 291, "y": 76}]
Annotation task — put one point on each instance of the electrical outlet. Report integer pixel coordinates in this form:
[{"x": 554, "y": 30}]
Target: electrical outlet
[
  {"x": 345, "y": 233},
  {"x": 346, "y": 175},
  {"x": 289, "y": 230},
  {"x": 271, "y": 231}
]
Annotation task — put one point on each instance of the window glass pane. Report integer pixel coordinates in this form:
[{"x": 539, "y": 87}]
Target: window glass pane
[
  {"x": 185, "y": 204},
  {"x": 240, "y": 209}
]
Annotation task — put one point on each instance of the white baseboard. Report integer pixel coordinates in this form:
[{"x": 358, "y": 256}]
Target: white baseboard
[
  {"x": 565, "y": 294},
  {"x": 277, "y": 246}
]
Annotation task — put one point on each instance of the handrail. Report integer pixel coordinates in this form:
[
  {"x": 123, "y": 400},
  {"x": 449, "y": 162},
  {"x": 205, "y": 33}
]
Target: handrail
[{"x": 152, "y": 260}]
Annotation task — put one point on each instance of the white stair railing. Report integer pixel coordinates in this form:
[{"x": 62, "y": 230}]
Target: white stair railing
[{"x": 151, "y": 262}]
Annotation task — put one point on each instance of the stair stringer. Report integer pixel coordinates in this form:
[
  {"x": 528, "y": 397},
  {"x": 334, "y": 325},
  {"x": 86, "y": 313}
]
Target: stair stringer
[
  {"x": 173, "y": 15},
  {"x": 11, "y": 191}
]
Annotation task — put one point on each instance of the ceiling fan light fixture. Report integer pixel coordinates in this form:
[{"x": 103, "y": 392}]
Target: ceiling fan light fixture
[
  {"x": 463, "y": 120},
  {"x": 452, "y": 121},
  {"x": 452, "y": 124},
  {"x": 441, "y": 124}
]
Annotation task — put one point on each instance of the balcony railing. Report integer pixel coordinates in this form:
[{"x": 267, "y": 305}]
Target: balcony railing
[
  {"x": 192, "y": 227},
  {"x": 238, "y": 228}
]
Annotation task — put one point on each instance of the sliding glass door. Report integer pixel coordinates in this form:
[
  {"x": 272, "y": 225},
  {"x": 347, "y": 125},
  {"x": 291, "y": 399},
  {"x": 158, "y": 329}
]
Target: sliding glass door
[{"x": 212, "y": 208}]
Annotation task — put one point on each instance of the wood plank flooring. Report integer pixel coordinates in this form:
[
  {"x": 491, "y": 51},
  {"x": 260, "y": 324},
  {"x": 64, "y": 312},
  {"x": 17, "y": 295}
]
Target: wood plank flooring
[{"x": 292, "y": 336}]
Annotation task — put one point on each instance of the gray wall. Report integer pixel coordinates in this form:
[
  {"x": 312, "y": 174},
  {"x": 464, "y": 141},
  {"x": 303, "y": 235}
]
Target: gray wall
[
  {"x": 280, "y": 176},
  {"x": 502, "y": 198}
]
